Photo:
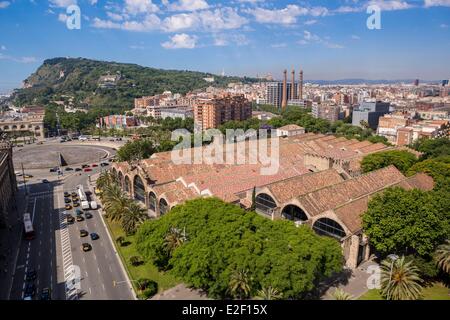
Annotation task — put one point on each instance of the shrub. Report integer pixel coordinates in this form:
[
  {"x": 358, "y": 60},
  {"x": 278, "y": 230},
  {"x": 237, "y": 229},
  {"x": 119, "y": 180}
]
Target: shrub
[
  {"x": 150, "y": 290},
  {"x": 135, "y": 261},
  {"x": 120, "y": 240}
]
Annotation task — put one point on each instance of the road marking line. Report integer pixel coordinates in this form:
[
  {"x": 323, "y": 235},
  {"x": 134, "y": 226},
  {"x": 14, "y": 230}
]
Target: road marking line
[{"x": 34, "y": 208}]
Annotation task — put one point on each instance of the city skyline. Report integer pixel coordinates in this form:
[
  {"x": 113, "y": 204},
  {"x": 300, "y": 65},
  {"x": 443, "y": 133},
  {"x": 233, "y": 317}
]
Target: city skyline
[{"x": 241, "y": 37}]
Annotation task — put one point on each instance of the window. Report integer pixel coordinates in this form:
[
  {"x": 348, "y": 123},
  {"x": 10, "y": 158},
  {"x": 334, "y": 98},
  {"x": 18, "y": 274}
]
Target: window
[
  {"x": 152, "y": 201},
  {"x": 294, "y": 213},
  {"x": 265, "y": 204},
  {"x": 127, "y": 185},
  {"x": 329, "y": 227},
  {"x": 163, "y": 207},
  {"x": 139, "y": 189}
]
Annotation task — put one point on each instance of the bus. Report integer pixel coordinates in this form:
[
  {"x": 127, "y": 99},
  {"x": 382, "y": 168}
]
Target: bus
[{"x": 28, "y": 227}]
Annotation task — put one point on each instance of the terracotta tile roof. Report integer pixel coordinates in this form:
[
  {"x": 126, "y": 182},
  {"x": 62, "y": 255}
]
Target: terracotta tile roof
[
  {"x": 333, "y": 196},
  {"x": 291, "y": 127},
  {"x": 286, "y": 190}
]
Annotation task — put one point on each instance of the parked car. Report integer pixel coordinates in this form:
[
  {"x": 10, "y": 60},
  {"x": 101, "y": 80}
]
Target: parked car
[
  {"x": 83, "y": 233},
  {"x": 46, "y": 294},
  {"x": 84, "y": 166},
  {"x": 69, "y": 169},
  {"x": 78, "y": 169},
  {"x": 87, "y": 170},
  {"x": 31, "y": 275},
  {"x": 94, "y": 236}
]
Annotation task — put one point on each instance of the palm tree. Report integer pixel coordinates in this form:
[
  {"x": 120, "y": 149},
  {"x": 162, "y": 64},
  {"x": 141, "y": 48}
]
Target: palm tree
[
  {"x": 116, "y": 207},
  {"x": 442, "y": 256},
  {"x": 132, "y": 216},
  {"x": 269, "y": 293},
  {"x": 340, "y": 294},
  {"x": 105, "y": 180},
  {"x": 239, "y": 285},
  {"x": 174, "y": 239},
  {"x": 400, "y": 280}
]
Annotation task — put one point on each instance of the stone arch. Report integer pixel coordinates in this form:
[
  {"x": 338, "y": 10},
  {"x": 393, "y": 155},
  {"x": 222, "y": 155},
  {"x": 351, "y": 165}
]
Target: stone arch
[
  {"x": 152, "y": 201},
  {"x": 163, "y": 206},
  {"x": 294, "y": 213},
  {"x": 37, "y": 128},
  {"x": 121, "y": 179},
  {"x": 14, "y": 127},
  {"x": 22, "y": 126},
  {"x": 30, "y": 126},
  {"x": 329, "y": 227},
  {"x": 139, "y": 189},
  {"x": 265, "y": 204}
]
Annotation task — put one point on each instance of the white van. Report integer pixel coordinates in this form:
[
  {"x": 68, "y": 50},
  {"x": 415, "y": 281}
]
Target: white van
[
  {"x": 85, "y": 205},
  {"x": 94, "y": 205}
]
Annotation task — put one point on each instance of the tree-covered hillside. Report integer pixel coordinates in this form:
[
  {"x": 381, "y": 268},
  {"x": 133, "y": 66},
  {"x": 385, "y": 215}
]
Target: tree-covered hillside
[{"x": 59, "y": 79}]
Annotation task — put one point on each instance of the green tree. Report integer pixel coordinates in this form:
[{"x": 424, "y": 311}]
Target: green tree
[
  {"x": 174, "y": 239},
  {"x": 340, "y": 294},
  {"x": 239, "y": 286},
  {"x": 442, "y": 256},
  {"x": 407, "y": 221},
  {"x": 269, "y": 293},
  {"x": 402, "y": 160},
  {"x": 136, "y": 150},
  {"x": 133, "y": 215},
  {"x": 433, "y": 148},
  {"x": 400, "y": 280}
]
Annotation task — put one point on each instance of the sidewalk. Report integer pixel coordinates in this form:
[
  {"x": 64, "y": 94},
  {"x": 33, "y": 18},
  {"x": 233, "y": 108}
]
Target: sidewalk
[
  {"x": 357, "y": 284},
  {"x": 10, "y": 240}
]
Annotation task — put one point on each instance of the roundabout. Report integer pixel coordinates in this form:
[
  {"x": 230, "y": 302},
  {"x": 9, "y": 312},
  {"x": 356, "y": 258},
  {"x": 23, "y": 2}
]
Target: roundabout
[{"x": 53, "y": 155}]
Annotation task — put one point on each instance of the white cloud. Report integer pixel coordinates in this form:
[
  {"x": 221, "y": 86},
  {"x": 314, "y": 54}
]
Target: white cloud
[
  {"x": 2, "y": 48},
  {"x": 287, "y": 15},
  {"x": 180, "y": 41},
  {"x": 437, "y": 3},
  {"x": 149, "y": 23},
  {"x": 62, "y": 17},
  {"x": 444, "y": 26},
  {"x": 114, "y": 16},
  {"x": 4, "y": 4},
  {"x": 62, "y": 3},
  {"x": 309, "y": 37},
  {"x": 135, "y": 7},
  {"x": 310, "y": 22},
  {"x": 348, "y": 9},
  {"x": 355, "y": 37},
  {"x": 218, "y": 19},
  {"x": 221, "y": 40},
  {"x": 188, "y": 5},
  {"x": 391, "y": 5}
]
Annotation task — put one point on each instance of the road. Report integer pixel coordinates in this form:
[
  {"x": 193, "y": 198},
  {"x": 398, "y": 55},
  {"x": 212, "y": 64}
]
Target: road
[{"x": 57, "y": 247}]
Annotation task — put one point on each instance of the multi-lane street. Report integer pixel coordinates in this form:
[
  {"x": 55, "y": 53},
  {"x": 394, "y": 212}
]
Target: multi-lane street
[{"x": 57, "y": 251}]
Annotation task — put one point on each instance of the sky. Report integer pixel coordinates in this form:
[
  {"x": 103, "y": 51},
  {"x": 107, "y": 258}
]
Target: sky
[{"x": 327, "y": 39}]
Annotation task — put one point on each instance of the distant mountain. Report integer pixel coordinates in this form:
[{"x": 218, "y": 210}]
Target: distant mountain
[
  {"x": 100, "y": 84},
  {"x": 365, "y": 81}
]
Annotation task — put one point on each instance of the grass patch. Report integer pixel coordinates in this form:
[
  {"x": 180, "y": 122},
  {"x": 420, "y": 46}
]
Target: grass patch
[
  {"x": 437, "y": 291},
  {"x": 147, "y": 270}
]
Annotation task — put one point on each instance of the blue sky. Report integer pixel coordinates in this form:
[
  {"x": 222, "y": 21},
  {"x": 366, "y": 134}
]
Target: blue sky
[{"x": 328, "y": 39}]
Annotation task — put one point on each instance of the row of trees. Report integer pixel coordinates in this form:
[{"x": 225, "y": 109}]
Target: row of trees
[
  {"x": 230, "y": 253},
  {"x": 118, "y": 206}
]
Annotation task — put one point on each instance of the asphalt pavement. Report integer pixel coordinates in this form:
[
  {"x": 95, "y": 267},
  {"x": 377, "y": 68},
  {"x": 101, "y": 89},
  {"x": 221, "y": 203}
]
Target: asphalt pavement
[{"x": 56, "y": 250}]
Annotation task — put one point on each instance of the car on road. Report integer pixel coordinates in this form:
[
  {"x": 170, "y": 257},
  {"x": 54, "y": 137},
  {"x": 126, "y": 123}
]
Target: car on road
[
  {"x": 94, "y": 236},
  {"x": 74, "y": 194},
  {"x": 78, "y": 212},
  {"x": 76, "y": 204},
  {"x": 54, "y": 170},
  {"x": 28, "y": 176},
  {"x": 30, "y": 290},
  {"x": 83, "y": 233},
  {"x": 70, "y": 219},
  {"x": 66, "y": 194},
  {"x": 78, "y": 169},
  {"x": 86, "y": 247},
  {"x": 67, "y": 200},
  {"x": 88, "y": 215},
  {"x": 68, "y": 207},
  {"x": 104, "y": 164},
  {"x": 46, "y": 294},
  {"x": 31, "y": 275},
  {"x": 45, "y": 181},
  {"x": 80, "y": 219},
  {"x": 94, "y": 205},
  {"x": 87, "y": 170},
  {"x": 84, "y": 166},
  {"x": 94, "y": 165},
  {"x": 69, "y": 169}
]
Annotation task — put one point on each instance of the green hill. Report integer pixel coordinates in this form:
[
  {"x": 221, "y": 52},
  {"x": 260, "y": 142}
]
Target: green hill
[{"x": 83, "y": 79}]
